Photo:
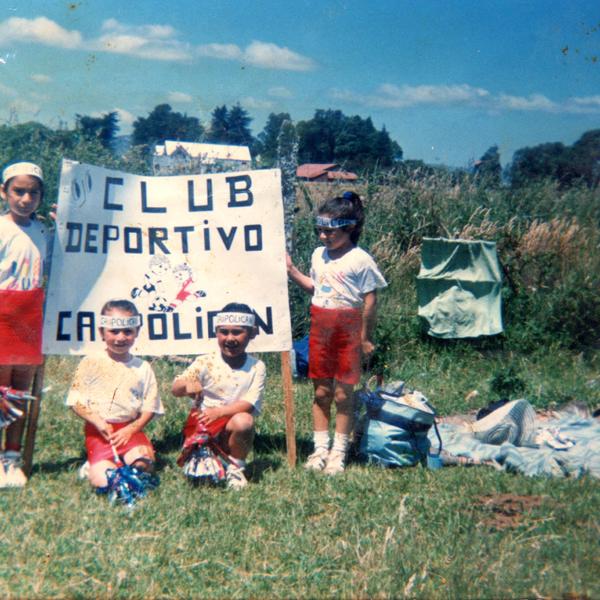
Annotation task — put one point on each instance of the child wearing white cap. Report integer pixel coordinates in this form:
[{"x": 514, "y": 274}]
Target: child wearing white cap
[
  {"x": 24, "y": 245},
  {"x": 227, "y": 387}
]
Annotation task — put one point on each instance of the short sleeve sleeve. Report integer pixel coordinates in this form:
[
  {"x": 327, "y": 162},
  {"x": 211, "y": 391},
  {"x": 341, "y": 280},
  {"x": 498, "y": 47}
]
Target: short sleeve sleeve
[
  {"x": 256, "y": 389},
  {"x": 151, "y": 402}
]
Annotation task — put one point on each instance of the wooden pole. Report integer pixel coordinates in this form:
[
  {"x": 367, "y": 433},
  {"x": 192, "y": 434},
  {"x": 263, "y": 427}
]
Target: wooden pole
[
  {"x": 287, "y": 161},
  {"x": 288, "y": 401},
  {"x": 33, "y": 413}
]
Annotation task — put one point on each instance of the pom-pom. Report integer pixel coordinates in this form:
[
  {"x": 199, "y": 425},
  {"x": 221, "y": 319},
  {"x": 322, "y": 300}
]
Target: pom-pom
[
  {"x": 126, "y": 484},
  {"x": 9, "y": 412},
  {"x": 204, "y": 465}
]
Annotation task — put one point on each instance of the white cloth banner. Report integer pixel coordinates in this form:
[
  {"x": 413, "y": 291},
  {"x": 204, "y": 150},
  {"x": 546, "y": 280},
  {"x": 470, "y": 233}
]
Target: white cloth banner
[{"x": 179, "y": 247}]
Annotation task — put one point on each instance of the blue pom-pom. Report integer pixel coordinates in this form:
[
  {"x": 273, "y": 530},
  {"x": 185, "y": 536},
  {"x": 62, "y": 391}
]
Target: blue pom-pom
[{"x": 126, "y": 484}]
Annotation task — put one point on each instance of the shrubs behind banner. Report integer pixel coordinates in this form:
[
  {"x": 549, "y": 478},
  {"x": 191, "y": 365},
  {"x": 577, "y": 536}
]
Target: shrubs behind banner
[{"x": 395, "y": 426}]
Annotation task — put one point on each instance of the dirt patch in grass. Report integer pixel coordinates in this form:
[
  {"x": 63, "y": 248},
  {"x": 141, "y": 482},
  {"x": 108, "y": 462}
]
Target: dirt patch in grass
[{"x": 506, "y": 511}]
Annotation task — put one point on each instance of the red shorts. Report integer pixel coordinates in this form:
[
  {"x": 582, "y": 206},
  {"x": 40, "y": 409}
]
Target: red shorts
[
  {"x": 192, "y": 426},
  {"x": 99, "y": 449},
  {"x": 21, "y": 318},
  {"x": 334, "y": 348},
  {"x": 195, "y": 433}
]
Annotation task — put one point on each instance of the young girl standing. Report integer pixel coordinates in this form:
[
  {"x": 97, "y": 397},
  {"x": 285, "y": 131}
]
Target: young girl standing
[
  {"x": 343, "y": 282},
  {"x": 23, "y": 249},
  {"x": 115, "y": 393}
]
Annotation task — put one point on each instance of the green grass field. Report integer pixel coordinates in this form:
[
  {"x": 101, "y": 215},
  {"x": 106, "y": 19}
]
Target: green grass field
[{"x": 452, "y": 533}]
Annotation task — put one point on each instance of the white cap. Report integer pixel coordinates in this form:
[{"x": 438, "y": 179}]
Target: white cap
[{"x": 22, "y": 168}]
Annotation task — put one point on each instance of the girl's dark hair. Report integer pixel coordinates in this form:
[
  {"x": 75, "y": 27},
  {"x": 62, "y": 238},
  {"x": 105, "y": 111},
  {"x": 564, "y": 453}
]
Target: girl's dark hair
[
  {"x": 124, "y": 305},
  {"x": 346, "y": 206},
  {"x": 237, "y": 307}
]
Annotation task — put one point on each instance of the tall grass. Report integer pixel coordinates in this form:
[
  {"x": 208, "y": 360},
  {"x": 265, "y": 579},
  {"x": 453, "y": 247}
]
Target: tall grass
[{"x": 548, "y": 243}]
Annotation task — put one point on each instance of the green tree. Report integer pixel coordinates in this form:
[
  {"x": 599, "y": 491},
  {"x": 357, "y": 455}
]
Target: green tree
[
  {"x": 584, "y": 160},
  {"x": 353, "y": 142},
  {"x": 542, "y": 161},
  {"x": 231, "y": 126},
  {"x": 218, "y": 130},
  {"x": 103, "y": 128},
  {"x": 164, "y": 124},
  {"x": 269, "y": 136},
  {"x": 239, "y": 127},
  {"x": 488, "y": 169}
]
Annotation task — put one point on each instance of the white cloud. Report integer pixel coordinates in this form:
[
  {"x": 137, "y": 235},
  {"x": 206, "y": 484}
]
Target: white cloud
[
  {"x": 40, "y": 78},
  {"x": 7, "y": 91},
  {"x": 221, "y": 51},
  {"x": 24, "y": 108},
  {"x": 180, "y": 97},
  {"x": 392, "y": 96},
  {"x": 269, "y": 56},
  {"x": 279, "y": 91},
  {"x": 154, "y": 42},
  {"x": 259, "y": 54},
  {"x": 255, "y": 103},
  {"x": 536, "y": 102},
  {"x": 40, "y": 31},
  {"x": 151, "y": 42},
  {"x": 125, "y": 117},
  {"x": 148, "y": 31}
]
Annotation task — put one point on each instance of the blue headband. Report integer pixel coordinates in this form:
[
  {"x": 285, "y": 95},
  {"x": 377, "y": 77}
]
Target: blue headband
[{"x": 334, "y": 223}]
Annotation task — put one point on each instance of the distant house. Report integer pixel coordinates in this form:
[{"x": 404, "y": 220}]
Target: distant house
[
  {"x": 174, "y": 157},
  {"x": 324, "y": 172}
]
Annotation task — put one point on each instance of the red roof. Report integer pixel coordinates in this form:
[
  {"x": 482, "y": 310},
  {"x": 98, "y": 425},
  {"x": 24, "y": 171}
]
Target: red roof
[{"x": 315, "y": 170}]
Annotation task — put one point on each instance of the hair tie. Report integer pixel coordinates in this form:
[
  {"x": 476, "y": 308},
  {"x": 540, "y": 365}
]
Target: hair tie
[{"x": 348, "y": 196}]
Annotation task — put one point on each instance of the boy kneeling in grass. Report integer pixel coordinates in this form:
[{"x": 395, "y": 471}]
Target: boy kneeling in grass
[{"x": 227, "y": 388}]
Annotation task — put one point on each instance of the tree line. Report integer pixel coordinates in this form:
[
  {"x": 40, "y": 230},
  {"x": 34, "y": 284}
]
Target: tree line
[{"x": 329, "y": 136}]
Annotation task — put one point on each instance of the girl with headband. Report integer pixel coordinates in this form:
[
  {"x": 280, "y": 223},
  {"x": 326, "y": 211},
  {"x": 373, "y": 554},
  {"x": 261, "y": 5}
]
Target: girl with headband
[
  {"x": 24, "y": 244},
  {"x": 116, "y": 394},
  {"x": 227, "y": 388},
  {"x": 343, "y": 283}
]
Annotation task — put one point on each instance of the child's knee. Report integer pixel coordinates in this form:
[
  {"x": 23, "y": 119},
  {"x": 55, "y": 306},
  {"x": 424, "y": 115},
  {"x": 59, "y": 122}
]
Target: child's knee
[
  {"x": 241, "y": 423},
  {"x": 323, "y": 395},
  {"x": 97, "y": 474},
  {"x": 141, "y": 457}
]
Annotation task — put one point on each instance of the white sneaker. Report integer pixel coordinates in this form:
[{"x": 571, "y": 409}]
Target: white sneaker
[
  {"x": 236, "y": 480},
  {"x": 84, "y": 470},
  {"x": 3, "y": 482},
  {"x": 336, "y": 463},
  {"x": 14, "y": 473},
  {"x": 317, "y": 460}
]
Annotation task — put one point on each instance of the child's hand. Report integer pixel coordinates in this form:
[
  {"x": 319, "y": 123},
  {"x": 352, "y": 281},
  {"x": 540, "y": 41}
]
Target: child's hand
[
  {"x": 104, "y": 428},
  {"x": 208, "y": 415},
  {"x": 194, "y": 390},
  {"x": 368, "y": 347},
  {"x": 121, "y": 437}
]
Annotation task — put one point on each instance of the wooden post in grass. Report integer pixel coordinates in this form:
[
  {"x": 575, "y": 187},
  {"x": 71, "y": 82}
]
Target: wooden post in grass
[
  {"x": 32, "y": 415},
  {"x": 287, "y": 159}
]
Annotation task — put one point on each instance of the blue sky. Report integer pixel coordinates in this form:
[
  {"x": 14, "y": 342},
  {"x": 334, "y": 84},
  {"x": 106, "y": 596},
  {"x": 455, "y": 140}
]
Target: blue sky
[{"x": 447, "y": 78}]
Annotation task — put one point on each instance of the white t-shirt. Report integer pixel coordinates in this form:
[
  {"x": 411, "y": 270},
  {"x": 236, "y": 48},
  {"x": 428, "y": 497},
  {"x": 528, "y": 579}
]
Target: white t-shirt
[
  {"x": 342, "y": 282},
  {"x": 222, "y": 385},
  {"x": 23, "y": 251},
  {"x": 117, "y": 391}
]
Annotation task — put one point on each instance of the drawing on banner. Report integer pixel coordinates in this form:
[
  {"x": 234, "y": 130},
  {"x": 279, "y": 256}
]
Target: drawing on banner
[
  {"x": 165, "y": 287},
  {"x": 80, "y": 188}
]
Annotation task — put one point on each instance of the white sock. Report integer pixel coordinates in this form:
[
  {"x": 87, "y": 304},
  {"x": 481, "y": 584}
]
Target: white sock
[
  {"x": 340, "y": 442},
  {"x": 238, "y": 462},
  {"x": 321, "y": 440}
]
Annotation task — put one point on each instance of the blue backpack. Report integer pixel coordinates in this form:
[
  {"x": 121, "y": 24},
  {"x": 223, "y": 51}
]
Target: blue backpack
[{"x": 395, "y": 426}]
